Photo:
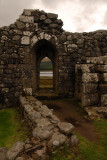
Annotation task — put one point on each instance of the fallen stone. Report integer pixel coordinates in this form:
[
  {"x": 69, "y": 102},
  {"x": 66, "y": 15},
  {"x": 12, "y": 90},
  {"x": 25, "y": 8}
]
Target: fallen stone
[
  {"x": 13, "y": 152},
  {"x": 41, "y": 133},
  {"x": 54, "y": 119},
  {"x": 3, "y": 152},
  {"x": 41, "y": 153},
  {"x": 57, "y": 140},
  {"x": 38, "y": 103},
  {"x": 74, "y": 140},
  {"x": 65, "y": 127},
  {"x": 45, "y": 111},
  {"x": 43, "y": 122},
  {"x": 27, "y": 146},
  {"x": 34, "y": 115}
]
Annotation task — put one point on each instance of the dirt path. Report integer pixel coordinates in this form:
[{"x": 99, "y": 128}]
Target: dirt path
[{"x": 66, "y": 110}]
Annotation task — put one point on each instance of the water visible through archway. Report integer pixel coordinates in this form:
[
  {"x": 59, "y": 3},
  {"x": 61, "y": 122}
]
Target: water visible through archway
[{"x": 46, "y": 73}]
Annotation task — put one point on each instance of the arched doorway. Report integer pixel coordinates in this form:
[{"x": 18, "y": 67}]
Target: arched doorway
[
  {"x": 43, "y": 49},
  {"x": 46, "y": 73}
]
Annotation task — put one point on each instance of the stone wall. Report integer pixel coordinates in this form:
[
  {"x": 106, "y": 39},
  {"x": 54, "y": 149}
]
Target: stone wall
[
  {"x": 91, "y": 81},
  {"x": 47, "y": 135},
  {"x": 20, "y": 53}
]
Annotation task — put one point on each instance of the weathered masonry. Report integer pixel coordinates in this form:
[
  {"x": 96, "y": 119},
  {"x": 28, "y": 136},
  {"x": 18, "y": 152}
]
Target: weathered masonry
[{"x": 79, "y": 59}]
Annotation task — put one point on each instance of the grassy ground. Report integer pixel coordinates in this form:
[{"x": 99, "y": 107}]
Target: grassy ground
[
  {"x": 11, "y": 128},
  {"x": 46, "y": 82},
  {"x": 87, "y": 150}
]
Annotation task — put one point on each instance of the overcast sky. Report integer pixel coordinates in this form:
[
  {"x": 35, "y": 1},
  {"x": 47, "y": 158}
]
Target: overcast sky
[{"x": 77, "y": 15}]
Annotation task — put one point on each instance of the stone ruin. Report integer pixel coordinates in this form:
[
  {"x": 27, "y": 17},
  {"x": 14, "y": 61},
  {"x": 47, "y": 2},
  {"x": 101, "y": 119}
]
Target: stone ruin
[
  {"x": 48, "y": 133},
  {"x": 79, "y": 59},
  {"x": 79, "y": 69}
]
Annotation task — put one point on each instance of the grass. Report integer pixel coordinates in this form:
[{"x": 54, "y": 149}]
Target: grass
[
  {"x": 46, "y": 65},
  {"x": 46, "y": 82},
  {"x": 87, "y": 150},
  {"x": 11, "y": 128}
]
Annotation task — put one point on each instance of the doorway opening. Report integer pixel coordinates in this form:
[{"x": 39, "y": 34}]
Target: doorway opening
[
  {"x": 46, "y": 73},
  {"x": 46, "y": 61}
]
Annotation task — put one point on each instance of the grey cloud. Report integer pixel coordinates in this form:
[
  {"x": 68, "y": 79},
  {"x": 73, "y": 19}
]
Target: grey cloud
[
  {"x": 105, "y": 19},
  {"x": 86, "y": 17},
  {"x": 54, "y": 3},
  {"x": 11, "y": 9}
]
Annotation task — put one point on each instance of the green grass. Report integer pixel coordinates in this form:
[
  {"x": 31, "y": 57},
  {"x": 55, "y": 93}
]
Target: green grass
[
  {"x": 87, "y": 150},
  {"x": 11, "y": 128},
  {"x": 46, "y": 65},
  {"x": 46, "y": 82}
]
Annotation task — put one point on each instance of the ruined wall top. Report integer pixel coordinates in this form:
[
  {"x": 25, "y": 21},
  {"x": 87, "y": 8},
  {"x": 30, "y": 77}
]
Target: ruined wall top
[{"x": 37, "y": 20}]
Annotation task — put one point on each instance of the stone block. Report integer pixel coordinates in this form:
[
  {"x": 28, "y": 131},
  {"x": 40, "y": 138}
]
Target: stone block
[
  {"x": 89, "y": 88},
  {"x": 20, "y": 25},
  {"x": 53, "y": 25},
  {"x": 16, "y": 38},
  {"x": 47, "y": 21},
  {"x": 57, "y": 140},
  {"x": 27, "y": 19},
  {"x": 28, "y": 91},
  {"x": 16, "y": 149},
  {"x": 85, "y": 68},
  {"x": 105, "y": 77},
  {"x": 41, "y": 133},
  {"x": 65, "y": 127},
  {"x": 36, "y": 26},
  {"x": 27, "y": 12},
  {"x": 59, "y": 21},
  {"x": 1, "y": 71},
  {"x": 3, "y": 152},
  {"x": 34, "y": 40},
  {"x": 25, "y": 40},
  {"x": 63, "y": 38},
  {"x": 102, "y": 68},
  {"x": 103, "y": 88},
  {"x": 52, "y": 15},
  {"x": 27, "y": 33},
  {"x": 42, "y": 17},
  {"x": 47, "y": 36},
  {"x": 104, "y": 100},
  {"x": 6, "y": 90},
  {"x": 90, "y": 99},
  {"x": 74, "y": 140},
  {"x": 74, "y": 46},
  {"x": 90, "y": 77}
]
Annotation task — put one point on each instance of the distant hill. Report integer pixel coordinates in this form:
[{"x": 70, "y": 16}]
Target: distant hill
[
  {"x": 46, "y": 66},
  {"x": 45, "y": 59}
]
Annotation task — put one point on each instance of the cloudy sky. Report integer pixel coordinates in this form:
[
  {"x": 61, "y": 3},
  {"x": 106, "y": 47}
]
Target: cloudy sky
[{"x": 77, "y": 15}]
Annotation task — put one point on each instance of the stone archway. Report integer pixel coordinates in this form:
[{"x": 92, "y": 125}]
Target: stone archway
[{"x": 44, "y": 48}]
